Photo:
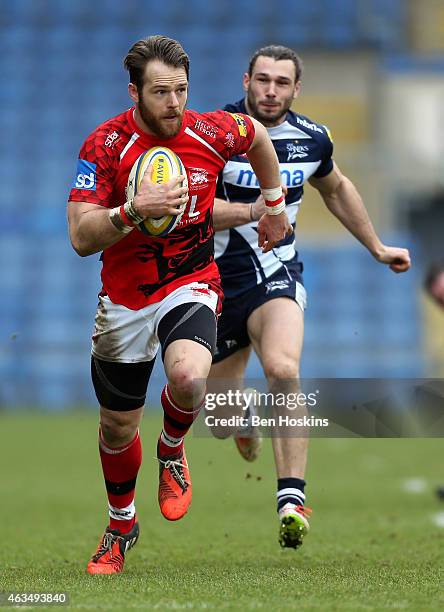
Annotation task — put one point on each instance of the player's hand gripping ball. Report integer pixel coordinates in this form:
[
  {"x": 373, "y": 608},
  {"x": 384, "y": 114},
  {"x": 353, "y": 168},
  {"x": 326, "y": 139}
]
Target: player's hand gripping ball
[{"x": 166, "y": 165}]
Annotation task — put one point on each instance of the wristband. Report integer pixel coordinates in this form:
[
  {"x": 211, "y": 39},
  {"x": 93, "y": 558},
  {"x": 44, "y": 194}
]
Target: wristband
[
  {"x": 276, "y": 207},
  {"x": 120, "y": 220},
  {"x": 251, "y": 213},
  {"x": 132, "y": 213},
  {"x": 274, "y": 200},
  {"x": 125, "y": 218}
]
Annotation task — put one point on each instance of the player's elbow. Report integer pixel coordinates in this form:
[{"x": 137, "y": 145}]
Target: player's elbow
[
  {"x": 332, "y": 201},
  {"x": 340, "y": 200},
  {"x": 80, "y": 247},
  {"x": 334, "y": 197},
  {"x": 83, "y": 252},
  {"x": 80, "y": 251}
]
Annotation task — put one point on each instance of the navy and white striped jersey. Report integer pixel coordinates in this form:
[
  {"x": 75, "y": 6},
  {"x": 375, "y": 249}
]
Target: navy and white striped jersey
[{"x": 304, "y": 149}]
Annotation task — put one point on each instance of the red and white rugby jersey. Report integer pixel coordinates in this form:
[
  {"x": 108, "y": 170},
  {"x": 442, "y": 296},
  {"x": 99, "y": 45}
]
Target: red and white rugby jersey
[{"x": 140, "y": 269}]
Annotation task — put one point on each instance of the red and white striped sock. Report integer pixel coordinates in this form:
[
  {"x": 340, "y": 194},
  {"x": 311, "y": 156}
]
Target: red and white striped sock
[
  {"x": 176, "y": 422},
  {"x": 120, "y": 468}
]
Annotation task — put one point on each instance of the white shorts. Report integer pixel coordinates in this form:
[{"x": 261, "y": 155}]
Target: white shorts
[{"x": 130, "y": 336}]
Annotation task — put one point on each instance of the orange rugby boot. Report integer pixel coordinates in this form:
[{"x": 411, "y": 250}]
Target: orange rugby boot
[
  {"x": 110, "y": 555},
  {"x": 174, "y": 486}
]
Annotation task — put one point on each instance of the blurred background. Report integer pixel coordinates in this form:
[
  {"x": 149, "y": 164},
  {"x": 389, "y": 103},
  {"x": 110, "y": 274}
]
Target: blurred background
[{"x": 373, "y": 73}]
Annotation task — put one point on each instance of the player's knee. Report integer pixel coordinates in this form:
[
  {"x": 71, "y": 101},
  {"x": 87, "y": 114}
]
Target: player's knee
[
  {"x": 118, "y": 428},
  {"x": 186, "y": 380},
  {"x": 281, "y": 369}
]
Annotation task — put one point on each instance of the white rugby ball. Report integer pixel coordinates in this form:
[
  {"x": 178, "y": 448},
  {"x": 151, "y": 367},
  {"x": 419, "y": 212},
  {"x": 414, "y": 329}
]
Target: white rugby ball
[{"x": 166, "y": 165}]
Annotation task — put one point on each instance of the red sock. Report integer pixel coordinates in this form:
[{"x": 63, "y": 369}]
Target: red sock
[
  {"x": 120, "y": 467},
  {"x": 176, "y": 422}
]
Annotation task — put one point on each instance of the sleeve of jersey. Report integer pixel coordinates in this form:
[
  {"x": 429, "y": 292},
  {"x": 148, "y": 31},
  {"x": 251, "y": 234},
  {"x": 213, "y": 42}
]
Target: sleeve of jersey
[
  {"x": 96, "y": 169},
  {"x": 326, "y": 165},
  {"x": 236, "y": 133}
]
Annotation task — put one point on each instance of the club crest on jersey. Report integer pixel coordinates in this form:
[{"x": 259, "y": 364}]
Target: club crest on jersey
[
  {"x": 296, "y": 151},
  {"x": 198, "y": 178},
  {"x": 241, "y": 125}
]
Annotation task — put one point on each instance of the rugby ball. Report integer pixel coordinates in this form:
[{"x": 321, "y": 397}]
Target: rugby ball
[{"x": 166, "y": 165}]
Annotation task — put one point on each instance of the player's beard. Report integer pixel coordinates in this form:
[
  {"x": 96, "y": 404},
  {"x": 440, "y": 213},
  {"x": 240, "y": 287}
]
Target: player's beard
[
  {"x": 268, "y": 119},
  {"x": 155, "y": 125}
]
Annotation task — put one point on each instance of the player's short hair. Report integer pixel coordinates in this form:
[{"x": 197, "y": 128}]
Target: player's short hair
[
  {"x": 158, "y": 47},
  {"x": 435, "y": 270},
  {"x": 278, "y": 52}
]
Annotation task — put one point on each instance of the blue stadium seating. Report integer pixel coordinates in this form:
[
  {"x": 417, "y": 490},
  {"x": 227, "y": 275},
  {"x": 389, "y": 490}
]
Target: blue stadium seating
[{"x": 62, "y": 74}]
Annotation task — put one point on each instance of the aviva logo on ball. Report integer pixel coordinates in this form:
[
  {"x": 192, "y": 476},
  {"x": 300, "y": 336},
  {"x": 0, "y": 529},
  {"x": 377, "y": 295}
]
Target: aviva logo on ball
[{"x": 166, "y": 165}]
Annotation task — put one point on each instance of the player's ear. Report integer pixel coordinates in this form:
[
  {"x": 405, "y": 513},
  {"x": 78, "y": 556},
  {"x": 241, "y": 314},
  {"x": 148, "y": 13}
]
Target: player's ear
[
  {"x": 133, "y": 93},
  {"x": 297, "y": 89},
  {"x": 246, "y": 81}
]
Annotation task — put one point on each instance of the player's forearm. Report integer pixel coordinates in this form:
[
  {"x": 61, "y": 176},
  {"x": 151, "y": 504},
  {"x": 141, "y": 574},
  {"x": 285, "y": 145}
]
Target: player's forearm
[
  {"x": 347, "y": 206},
  {"x": 230, "y": 214},
  {"x": 263, "y": 159},
  {"x": 92, "y": 231}
]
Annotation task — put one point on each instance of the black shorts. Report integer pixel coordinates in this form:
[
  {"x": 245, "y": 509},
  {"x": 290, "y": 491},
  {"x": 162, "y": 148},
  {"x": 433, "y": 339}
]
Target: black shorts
[
  {"x": 232, "y": 332},
  {"x": 123, "y": 386}
]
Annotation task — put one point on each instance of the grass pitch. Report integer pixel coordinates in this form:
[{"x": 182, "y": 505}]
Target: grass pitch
[{"x": 376, "y": 542}]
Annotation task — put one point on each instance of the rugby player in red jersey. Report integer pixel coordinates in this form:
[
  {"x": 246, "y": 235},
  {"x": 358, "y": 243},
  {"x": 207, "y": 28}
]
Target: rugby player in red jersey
[{"x": 157, "y": 291}]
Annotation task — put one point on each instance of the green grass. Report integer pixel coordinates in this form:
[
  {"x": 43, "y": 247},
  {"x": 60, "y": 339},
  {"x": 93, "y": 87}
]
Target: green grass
[{"x": 373, "y": 546}]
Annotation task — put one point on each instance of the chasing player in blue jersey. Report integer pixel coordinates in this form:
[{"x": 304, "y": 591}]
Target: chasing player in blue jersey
[
  {"x": 434, "y": 286},
  {"x": 264, "y": 294}
]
